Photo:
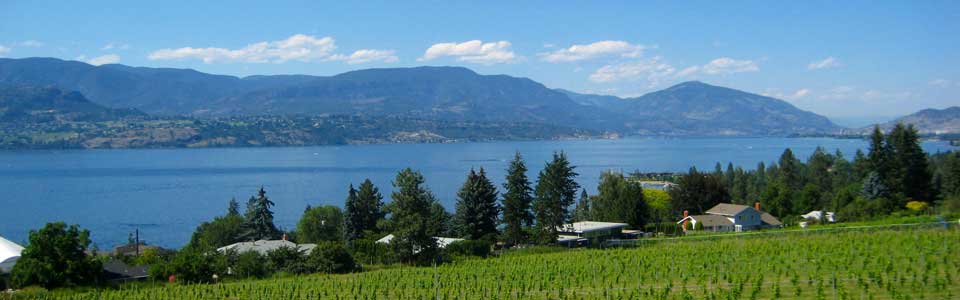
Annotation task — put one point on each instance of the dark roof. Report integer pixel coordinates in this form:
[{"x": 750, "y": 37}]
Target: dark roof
[
  {"x": 117, "y": 270},
  {"x": 769, "y": 219},
  {"x": 727, "y": 209},
  {"x": 712, "y": 220}
]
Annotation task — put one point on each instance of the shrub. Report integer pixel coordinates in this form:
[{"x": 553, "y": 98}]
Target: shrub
[
  {"x": 287, "y": 259},
  {"x": 249, "y": 264},
  {"x": 331, "y": 257},
  {"x": 191, "y": 265},
  {"x": 370, "y": 252},
  {"x": 56, "y": 257},
  {"x": 469, "y": 248},
  {"x": 917, "y": 206}
]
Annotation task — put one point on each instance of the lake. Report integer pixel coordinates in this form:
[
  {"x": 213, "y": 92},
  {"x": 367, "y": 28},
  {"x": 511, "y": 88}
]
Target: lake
[{"x": 166, "y": 193}]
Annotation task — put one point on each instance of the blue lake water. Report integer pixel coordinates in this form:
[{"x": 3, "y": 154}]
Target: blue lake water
[{"x": 167, "y": 193}]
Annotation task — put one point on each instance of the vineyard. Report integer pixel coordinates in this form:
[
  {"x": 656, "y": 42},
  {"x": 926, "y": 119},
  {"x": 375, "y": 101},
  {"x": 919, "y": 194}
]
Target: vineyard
[{"x": 892, "y": 263}]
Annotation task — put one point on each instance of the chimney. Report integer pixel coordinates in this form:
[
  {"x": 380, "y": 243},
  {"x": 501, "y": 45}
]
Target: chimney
[
  {"x": 685, "y": 214},
  {"x": 756, "y": 205},
  {"x": 284, "y": 237}
]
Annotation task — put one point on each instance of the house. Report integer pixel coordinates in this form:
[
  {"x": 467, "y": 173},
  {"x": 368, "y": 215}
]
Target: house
[
  {"x": 9, "y": 254},
  {"x": 581, "y": 233},
  {"x": 731, "y": 217},
  {"x": 265, "y": 246},
  {"x": 820, "y": 216},
  {"x": 442, "y": 242}
]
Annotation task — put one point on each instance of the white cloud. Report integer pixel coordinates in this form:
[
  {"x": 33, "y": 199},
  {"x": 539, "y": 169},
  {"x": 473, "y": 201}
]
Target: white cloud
[
  {"x": 940, "y": 82},
  {"x": 298, "y": 47},
  {"x": 842, "y": 92},
  {"x": 4, "y": 50},
  {"x": 826, "y": 63},
  {"x": 688, "y": 71},
  {"x": 115, "y": 45},
  {"x": 652, "y": 70},
  {"x": 30, "y": 43},
  {"x": 367, "y": 55},
  {"x": 726, "y": 65},
  {"x": 777, "y": 93},
  {"x": 594, "y": 50},
  {"x": 100, "y": 60},
  {"x": 474, "y": 51}
]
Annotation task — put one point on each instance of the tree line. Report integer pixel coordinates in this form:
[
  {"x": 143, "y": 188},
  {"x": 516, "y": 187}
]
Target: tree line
[{"x": 895, "y": 176}]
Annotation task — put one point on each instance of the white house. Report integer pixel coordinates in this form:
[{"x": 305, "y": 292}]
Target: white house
[
  {"x": 820, "y": 216},
  {"x": 9, "y": 254},
  {"x": 731, "y": 217}
]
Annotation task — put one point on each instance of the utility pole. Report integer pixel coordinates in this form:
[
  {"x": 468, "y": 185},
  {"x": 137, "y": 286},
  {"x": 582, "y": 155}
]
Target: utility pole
[{"x": 136, "y": 241}]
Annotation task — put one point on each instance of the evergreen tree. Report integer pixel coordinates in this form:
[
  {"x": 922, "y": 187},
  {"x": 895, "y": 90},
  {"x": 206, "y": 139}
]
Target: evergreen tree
[
  {"x": 861, "y": 165},
  {"x": 912, "y": 174},
  {"x": 620, "y": 200},
  {"x": 555, "y": 192},
  {"x": 581, "y": 212},
  {"x": 410, "y": 217},
  {"x": 697, "y": 192},
  {"x": 790, "y": 171},
  {"x": 516, "y": 201},
  {"x": 874, "y": 187},
  {"x": 440, "y": 222},
  {"x": 233, "y": 208},
  {"x": 259, "y": 219},
  {"x": 352, "y": 216},
  {"x": 477, "y": 209},
  {"x": 364, "y": 208}
]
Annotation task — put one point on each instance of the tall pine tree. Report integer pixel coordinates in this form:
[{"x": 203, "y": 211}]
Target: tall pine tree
[
  {"x": 411, "y": 217},
  {"x": 477, "y": 209},
  {"x": 516, "y": 202},
  {"x": 259, "y": 218},
  {"x": 363, "y": 209},
  {"x": 555, "y": 192}
]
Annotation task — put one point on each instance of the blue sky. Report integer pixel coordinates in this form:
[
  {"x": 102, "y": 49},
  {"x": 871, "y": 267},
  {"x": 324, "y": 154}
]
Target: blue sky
[{"x": 853, "y": 61}]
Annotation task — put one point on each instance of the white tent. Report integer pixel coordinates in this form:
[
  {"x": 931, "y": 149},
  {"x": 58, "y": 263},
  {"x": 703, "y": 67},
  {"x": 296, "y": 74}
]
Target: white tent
[{"x": 9, "y": 253}]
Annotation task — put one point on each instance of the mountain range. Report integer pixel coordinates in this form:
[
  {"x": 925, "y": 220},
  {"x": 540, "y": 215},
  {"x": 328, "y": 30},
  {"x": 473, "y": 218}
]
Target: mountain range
[
  {"x": 425, "y": 93},
  {"x": 928, "y": 121}
]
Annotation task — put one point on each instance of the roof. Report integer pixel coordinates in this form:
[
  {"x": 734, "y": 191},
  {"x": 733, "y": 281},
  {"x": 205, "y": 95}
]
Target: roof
[
  {"x": 442, "y": 242},
  {"x": 727, "y": 209},
  {"x": 9, "y": 252},
  {"x": 588, "y": 226},
  {"x": 712, "y": 220},
  {"x": 769, "y": 219},
  {"x": 265, "y": 246},
  {"x": 116, "y": 269}
]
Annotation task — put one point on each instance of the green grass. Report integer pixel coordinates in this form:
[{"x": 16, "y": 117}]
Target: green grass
[{"x": 891, "y": 263}]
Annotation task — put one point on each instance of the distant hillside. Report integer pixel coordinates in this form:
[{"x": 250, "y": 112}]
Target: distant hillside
[
  {"x": 697, "y": 108},
  {"x": 928, "y": 121},
  {"x": 47, "y": 104},
  {"x": 425, "y": 93}
]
